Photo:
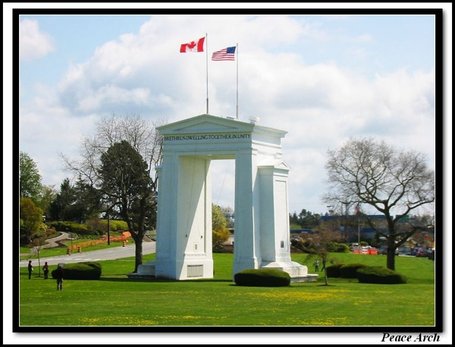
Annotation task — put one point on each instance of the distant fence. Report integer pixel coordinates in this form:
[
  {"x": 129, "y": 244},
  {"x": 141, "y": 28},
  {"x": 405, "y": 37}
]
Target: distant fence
[
  {"x": 371, "y": 251},
  {"x": 80, "y": 245}
]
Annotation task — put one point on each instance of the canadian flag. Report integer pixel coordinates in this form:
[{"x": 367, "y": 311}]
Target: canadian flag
[{"x": 193, "y": 46}]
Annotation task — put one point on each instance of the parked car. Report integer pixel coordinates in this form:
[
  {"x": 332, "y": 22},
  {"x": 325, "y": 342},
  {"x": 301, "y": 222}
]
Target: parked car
[
  {"x": 382, "y": 250},
  {"x": 404, "y": 251},
  {"x": 420, "y": 252}
]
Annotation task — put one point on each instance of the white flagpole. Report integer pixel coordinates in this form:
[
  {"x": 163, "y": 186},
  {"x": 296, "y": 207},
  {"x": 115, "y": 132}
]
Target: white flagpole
[
  {"x": 237, "y": 83},
  {"x": 207, "y": 69}
]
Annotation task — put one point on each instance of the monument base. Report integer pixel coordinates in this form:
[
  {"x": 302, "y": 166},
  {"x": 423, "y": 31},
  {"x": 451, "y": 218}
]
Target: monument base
[
  {"x": 298, "y": 272},
  {"x": 144, "y": 271},
  {"x": 188, "y": 270}
]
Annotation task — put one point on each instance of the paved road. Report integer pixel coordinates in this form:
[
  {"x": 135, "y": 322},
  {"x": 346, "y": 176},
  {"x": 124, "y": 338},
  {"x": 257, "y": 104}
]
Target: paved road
[{"x": 101, "y": 254}]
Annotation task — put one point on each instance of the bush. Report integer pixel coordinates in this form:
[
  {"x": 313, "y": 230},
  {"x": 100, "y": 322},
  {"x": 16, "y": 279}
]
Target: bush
[
  {"x": 81, "y": 271},
  {"x": 334, "y": 270},
  {"x": 262, "y": 278},
  {"x": 77, "y": 228},
  {"x": 378, "y": 274},
  {"x": 219, "y": 237},
  {"x": 100, "y": 225},
  {"x": 350, "y": 270},
  {"x": 337, "y": 247}
]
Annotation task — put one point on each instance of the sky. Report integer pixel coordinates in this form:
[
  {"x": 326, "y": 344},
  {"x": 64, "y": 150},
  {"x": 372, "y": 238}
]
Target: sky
[{"x": 325, "y": 79}]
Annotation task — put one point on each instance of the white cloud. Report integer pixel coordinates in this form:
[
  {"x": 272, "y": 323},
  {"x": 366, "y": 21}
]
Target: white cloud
[
  {"x": 33, "y": 43},
  {"x": 320, "y": 105}
]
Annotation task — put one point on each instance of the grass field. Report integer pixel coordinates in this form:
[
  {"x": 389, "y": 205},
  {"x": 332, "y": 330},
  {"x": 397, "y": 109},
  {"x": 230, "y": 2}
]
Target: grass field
[{"x": 114, "y": 300}]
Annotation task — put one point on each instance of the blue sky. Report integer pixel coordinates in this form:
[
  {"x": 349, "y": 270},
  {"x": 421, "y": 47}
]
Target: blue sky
[
  {"x": 387, "y": 42},
  {"x": 405, "y": 41},
  {"x": 324, "y": 79},
  {"x": 73, "y": 42}
]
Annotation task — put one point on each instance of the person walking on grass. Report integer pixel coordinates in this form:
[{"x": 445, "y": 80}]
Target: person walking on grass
[
  {"x": 316, "y": 265},
  {"x": 30, "y": 269},
  {"x": 59, "y": 277},
  {"x": 46, "y": 270}
]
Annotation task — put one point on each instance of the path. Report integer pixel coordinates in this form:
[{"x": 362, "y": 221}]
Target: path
[
  {"x": 101, "y": 254},
  {"x": 50, "y": 243}
]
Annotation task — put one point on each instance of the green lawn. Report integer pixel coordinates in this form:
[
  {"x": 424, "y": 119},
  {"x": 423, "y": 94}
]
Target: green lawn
[{"x": 116, "y": 301}]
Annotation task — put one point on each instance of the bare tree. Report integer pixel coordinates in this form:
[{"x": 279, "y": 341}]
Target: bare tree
[
  {"x": 144, "y": 138},
  {"x": 140, "y": 134},
  {"x": 317, "y": 245},
  {"x": 393, "y": 182}
]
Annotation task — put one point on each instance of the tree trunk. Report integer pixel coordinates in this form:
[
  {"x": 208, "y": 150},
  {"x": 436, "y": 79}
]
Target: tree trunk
[
  {"x": 324, "y": 263},
  {"x": 326, "y": 279},
  {"x": 391, "y": 254},
  {"x": 138, "y": 252}
]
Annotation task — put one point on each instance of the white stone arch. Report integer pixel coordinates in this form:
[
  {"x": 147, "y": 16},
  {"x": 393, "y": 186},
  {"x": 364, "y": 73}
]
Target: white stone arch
[{"x": 184, "y": 222}]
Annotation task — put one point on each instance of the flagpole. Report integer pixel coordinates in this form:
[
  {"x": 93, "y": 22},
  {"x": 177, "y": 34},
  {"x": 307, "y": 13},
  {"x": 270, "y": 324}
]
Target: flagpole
[
  {"x": 207, "y": 69},
  {"x": 237, "y": 84}
]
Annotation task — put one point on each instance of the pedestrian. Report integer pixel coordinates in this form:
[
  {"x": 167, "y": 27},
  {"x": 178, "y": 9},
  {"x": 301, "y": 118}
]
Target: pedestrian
[
  {"x": 316, "y": 265},
  {"x": 46, "y": 270},
  {"x": 30, "y": 269},
  {"x": 59, "y": 276}
]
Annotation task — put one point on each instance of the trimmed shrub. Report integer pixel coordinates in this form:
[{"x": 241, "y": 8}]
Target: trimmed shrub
[
  {"x": 379, "y": 274},
  {"x": 337, "y": 247},
  {"x": 77, "y": 228},
  {"x": 81, "y": 271},
  {"x": 100, "y": 225},
  {"x": 334, "y": 270},
  {"x": 262, "y": 278},
  {"x": 350, "y": 270}
]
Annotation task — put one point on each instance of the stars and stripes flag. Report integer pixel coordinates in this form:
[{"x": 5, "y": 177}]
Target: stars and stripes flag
[{"x": 224, "y": 54}]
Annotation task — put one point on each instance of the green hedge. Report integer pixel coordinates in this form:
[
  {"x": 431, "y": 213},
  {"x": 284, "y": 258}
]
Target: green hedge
[
  {"x": 334, "y": 270},
  {"x": 350, "y": 270},
  {"x": 262, "y": 278},
  {"x": 379, "y": 274},
  {"x": 72, "y": 227},
  {"x": 337, "y": 247},
  {"x": 81, "y": 271},
  {"x": 100, "y": 225}
]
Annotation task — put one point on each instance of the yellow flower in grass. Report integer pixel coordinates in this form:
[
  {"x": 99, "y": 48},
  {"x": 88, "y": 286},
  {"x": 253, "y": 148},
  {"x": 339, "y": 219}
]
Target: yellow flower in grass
[{"x": 300, "y": 295}]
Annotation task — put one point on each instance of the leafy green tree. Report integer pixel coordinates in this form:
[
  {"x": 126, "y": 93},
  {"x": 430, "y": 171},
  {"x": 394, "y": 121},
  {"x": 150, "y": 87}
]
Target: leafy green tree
[
  {"x": 394, "y": 183},
  {"x": 307, "y": 219},
  {"x": 139, "y": 133},
  {"x": 144, "y": 138},
  {"x": 88, "y": 200},
  {"x": 76, "y": 202},
  {"x": 294, "y": 219},
  {"x": 29, "y": 177},
  {"x": 220, "y": 232},
  {"x": 47, "y": 196},
  {"x": 127, "y": 186},
  {"x": 31, "y": 220},
  {"x": 63, "y": 207}
]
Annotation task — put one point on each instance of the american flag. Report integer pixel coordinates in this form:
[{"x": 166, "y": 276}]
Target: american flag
[{"x": 224, "y": 54}]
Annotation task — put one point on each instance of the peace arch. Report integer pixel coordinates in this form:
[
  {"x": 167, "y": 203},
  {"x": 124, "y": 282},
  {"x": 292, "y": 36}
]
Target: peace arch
[{"x": 184, "y": 221}]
